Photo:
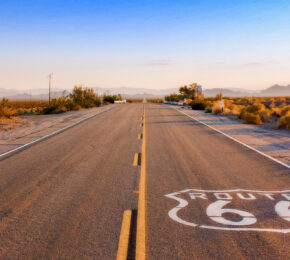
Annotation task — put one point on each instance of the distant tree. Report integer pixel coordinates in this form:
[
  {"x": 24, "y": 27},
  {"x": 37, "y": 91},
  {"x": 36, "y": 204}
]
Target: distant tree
[
  {"x": 188, "y": 92},
  {"x": 84, "y": 97}
]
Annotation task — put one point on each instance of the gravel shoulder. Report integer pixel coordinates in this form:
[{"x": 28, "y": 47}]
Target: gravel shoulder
[
  {"x": 275, "y": 143},
  {"x": 28, "y": 128}
]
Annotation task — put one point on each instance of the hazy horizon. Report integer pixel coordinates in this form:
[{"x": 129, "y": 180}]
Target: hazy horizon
[{"x": 152, "y": 44}]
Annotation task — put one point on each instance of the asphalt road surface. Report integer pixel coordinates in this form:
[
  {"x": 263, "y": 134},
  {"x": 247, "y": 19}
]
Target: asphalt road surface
[{"x": 207, "y": 196}]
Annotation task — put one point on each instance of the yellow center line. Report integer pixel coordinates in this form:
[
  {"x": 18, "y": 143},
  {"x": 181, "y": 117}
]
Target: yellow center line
[
  {"x": 135, "y": 161},
  {"x": 124, "y": 236},
  {"x": 141, "y": 236}
]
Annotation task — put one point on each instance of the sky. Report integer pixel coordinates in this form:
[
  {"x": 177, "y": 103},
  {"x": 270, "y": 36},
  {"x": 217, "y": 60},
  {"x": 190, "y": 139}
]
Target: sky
[{"x": 144, "y": 43}]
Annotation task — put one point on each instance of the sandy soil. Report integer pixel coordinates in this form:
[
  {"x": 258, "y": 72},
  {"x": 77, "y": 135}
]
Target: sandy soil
[
  {"x": 24, "y": 129},
  {"x": 273, "y": 142}
]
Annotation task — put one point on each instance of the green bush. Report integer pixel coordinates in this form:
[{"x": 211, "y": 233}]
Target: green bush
[
  {"x": 173, "y": 98},
  {"x": 198, "y": 105},
  {"x": 110, "y": 98},
  {"x": 57, "y": 105},
  {"x": 84, "y": 97},
  {"x": 208, "y": 110}
]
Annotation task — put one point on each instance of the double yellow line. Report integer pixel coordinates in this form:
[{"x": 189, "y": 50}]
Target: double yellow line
[
  {"x": 141, "y": 217},
  {"x": 141, "y": 236}
]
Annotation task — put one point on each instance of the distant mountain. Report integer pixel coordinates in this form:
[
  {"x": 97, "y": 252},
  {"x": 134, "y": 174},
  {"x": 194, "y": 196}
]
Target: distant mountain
[
  {"x": 136, "y": 91},
  {"x": 126, "y": 92},
  {"x": 275, "y": 90},
  {"x": 8, "y": 92},
  {"x": 31, "y": 93}
]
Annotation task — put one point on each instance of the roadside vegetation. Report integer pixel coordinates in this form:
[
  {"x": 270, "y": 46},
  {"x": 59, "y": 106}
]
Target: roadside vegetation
[
  {"x": 134, "y": 100},
  {"x": 79, "y": 98},
  {"x": 251, "y": 110}
]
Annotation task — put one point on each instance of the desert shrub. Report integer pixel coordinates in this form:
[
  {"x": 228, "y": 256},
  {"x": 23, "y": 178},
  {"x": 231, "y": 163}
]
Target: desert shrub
[
  {"x": 109, "y": 98},
  {"x": 57, "y": 105},
  {"x": 137, "y": 100},
  {"x": 155, "y": 100},
  {"x": 233, "y": 109},
  {"x": 84, "y": 97},
  {"x": 255, "y": 108},
  {"x": 198, "y": 105},
  {"x": 284, "y": 121},
  {"x": 266, "y": 115},
  {"x": 208, "y": 110},
  {"x": 7, "y": 112},
  {"x": 188, "y": 101},
  {"x": 276, "y": 111},
  {"x": 216, "y": 108},
  {"x": 251, "y": 118},
  {"x": 70, "y": 105},
  {"x": 285, "y": 110},
  {"x": 256, "y": 113},
  {"x": 172, "y": 98}
]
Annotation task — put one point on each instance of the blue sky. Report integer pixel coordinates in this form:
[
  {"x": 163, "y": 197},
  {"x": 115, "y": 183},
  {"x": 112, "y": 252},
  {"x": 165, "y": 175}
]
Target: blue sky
[{"x": 153, "y": 44}]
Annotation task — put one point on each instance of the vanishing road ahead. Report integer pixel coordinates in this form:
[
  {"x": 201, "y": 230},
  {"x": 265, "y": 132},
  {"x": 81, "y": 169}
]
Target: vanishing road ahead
[{"x": 205, "y": 195}]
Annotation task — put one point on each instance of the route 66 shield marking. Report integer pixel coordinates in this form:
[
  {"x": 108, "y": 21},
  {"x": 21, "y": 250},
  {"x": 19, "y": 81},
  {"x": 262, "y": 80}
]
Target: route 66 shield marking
[{"x": 233, "y": 210}]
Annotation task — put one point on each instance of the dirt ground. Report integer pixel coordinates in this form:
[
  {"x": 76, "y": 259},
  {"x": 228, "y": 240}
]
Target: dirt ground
[{"x": 21, "y": 130}]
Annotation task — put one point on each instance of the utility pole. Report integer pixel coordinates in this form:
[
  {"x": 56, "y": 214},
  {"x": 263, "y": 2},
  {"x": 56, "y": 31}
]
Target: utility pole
[{"x": 49, "y": 87}]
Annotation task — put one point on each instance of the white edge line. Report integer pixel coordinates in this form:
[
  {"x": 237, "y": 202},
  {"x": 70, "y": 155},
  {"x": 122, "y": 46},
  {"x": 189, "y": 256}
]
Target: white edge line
[
  {"x": 247, "y": 229},
  {"x": 233, "y": 190},
  {"x": 236, "y": 140},
  {"x": 51, "y": 134}
]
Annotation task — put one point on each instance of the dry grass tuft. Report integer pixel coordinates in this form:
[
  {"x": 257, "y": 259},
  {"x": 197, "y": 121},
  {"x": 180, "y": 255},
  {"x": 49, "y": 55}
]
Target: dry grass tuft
[{"x": 284, "y": 121}]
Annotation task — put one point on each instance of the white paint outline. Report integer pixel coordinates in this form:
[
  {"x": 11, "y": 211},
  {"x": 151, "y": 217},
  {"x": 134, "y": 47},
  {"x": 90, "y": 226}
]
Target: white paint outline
[
  {"x": 183, "y": 203},
  {"x": 236, "y": 140},
  {"x": 19, "y": 148}
]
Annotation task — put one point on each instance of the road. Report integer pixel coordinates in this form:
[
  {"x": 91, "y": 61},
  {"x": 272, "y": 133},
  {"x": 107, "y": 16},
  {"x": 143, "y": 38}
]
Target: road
[{"x": 64, "y": 198}]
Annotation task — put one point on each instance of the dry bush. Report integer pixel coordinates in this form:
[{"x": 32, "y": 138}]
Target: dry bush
[
  {"x": 256, "y": 113},
  {"x": 7, "y": 112},
  {"x": 140, "y": 100},
  {"x": 188, "y": 101},
  {"x": 284, "y": 121},
  {"x": 266, "y": 115},
  {"x": 285, "y": 110},
  {"x": 199, "y": 105},
  {"x": 154, "y": 100},
  {"x": 208, "y": 110},
  {"x": 216, "y": 108},
  {"x": 237, "y": 109},
  {"x": 276, "y": 111},
  {"x": 251, "y": 118}
]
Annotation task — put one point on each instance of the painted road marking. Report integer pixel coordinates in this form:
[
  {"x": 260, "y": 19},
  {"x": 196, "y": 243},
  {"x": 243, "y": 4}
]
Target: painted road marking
[
  {"x": 52, "y": 134},
  {"x": 236, "y": 140},
  {"x": 136, "y": 159},
  {"x": 124, "y": 236},
  {"x": 141, "y": 236},
  {"x": 136, "y": 191},
  {"x": 233, "y": 210}
]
